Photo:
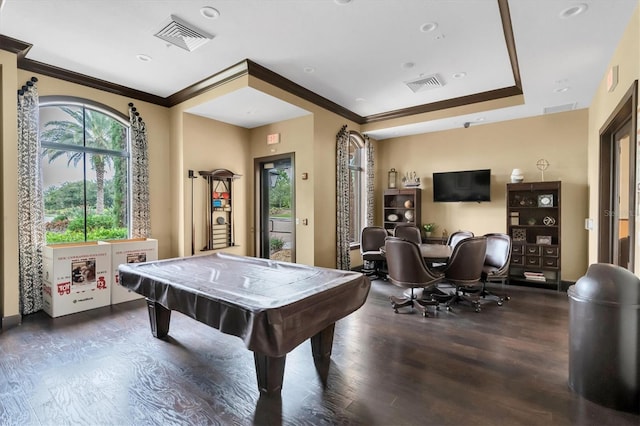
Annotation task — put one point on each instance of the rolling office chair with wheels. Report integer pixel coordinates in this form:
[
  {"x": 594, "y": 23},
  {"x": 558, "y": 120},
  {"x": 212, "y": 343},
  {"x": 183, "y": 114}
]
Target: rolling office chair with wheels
[
  {"x": 407, "y": 269},
  {"x": 408, "y": 231},
  {"x": 496, "y": 263},
  {"x": 371, "y": 243},
  {"x": 464, "y": 272}
]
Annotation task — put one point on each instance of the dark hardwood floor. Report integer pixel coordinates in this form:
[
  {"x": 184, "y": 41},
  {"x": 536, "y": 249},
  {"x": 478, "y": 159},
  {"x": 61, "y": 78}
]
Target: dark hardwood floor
[{"x": 503, "y": 366}]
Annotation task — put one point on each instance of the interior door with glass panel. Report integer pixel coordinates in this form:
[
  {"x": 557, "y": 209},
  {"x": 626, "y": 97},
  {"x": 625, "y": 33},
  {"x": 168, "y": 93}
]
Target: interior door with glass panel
[{"x": 277, "y": 213}]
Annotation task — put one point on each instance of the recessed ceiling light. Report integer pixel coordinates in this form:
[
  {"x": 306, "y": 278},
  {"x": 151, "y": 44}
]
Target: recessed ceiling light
[
  {"x": 143, "y": 58},
  {"x": 429, "y": 26},
  {"x": 572, "y": 11},
  {"x": 439, "y": 37},
  {"x": 459, "y": 75},
  {"x": 408, "y": 65},
  {"x": 561, "y": 89},
  {"x": 209, "y": 12},
  {"x": 342, "y": 2},
  {"x": 309, "y": 70}
]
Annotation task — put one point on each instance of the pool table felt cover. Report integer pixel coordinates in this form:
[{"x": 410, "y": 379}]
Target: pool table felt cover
[{"x": 272, "y": 306}]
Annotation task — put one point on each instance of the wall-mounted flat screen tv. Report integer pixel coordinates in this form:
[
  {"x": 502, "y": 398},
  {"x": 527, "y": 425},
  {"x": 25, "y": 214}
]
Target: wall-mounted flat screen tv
[{"x": 469, "y": 185}]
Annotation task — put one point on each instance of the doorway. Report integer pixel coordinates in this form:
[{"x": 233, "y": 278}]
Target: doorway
[
  {"x": 275, "y": 222},
  {"x": 616, "y": 237},
  {"x": 623, "y": 207}
]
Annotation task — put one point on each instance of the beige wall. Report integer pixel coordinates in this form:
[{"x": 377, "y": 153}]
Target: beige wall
[
  {"x": 9, "y": 134},
  {"x": 296, "y": 136},
  {"x": 209, "y": 145},
  {"x": 157, "y": 120},
  {"x": 627, "y": 58},
  {"x": 501, "y": 147}
]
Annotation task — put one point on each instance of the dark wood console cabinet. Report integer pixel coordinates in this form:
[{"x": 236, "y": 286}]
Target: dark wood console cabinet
[
  {"x": 534, "y": 224},
  {"x": 401, "y": 205}
]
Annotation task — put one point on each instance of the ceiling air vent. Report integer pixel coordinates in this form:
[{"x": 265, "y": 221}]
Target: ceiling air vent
[
  {"x": 179, "y": 33},
  {"x": 560, "y": 108},
  {"x": 425, "y": 83}
]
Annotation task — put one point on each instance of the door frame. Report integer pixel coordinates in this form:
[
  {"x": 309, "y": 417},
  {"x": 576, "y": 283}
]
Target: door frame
[
  {"x": 258, "y": 202},
  {"x": 624, "y": 111}
]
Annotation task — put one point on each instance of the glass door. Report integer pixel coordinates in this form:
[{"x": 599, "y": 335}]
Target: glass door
[{"x": 276, "y": 221}]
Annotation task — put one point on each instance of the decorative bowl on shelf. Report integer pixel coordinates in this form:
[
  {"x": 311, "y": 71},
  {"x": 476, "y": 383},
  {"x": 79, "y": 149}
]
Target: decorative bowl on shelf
[
  {"x": 408, "y": 204},
  {"x": 393, "y": 218},
  {"x": 408, "y": 215}
]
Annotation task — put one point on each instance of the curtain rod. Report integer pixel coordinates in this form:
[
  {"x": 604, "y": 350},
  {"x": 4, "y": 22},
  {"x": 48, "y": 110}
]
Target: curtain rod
[{"x": 26, "y": 86}]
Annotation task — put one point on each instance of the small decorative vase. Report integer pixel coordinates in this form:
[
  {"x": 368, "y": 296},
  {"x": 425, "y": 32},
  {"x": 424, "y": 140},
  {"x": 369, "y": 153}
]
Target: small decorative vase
[{"x": 517, "y": 176}]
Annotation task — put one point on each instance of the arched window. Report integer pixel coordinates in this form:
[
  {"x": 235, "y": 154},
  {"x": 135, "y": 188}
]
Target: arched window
[
  {"x": 357, "y": 193},
  {"x": 85, "y": 170}
]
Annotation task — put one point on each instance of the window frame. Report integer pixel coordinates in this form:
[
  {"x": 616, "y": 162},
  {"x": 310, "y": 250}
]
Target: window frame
[{"x": 72, "y": 101}]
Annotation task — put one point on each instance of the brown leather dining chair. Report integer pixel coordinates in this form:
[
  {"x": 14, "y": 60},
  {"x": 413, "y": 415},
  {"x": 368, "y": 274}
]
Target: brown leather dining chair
[
  {"x": 407, "y": 269},
  {"x": 458, "y": 236},
  {"x": 371, "y": 243},
  {"x": 463, "y": 272},
  {"x": 496, "y": 264},
  {"x": 454, "y": 239},
  {"x": 408, "y": 231}
]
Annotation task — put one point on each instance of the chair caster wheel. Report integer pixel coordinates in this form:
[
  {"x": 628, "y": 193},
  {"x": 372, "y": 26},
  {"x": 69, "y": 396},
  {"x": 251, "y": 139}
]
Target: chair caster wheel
[
  {"x": 437, "y": 308},
  {"x": 500, "y": 302},
  {"x": 507, "y": 298},
  {"x": 449, "y": 308},
  {"x": 426, "y": 315},
  {"x": 395, "y": 310},
  {"x": 478, "y": 309}
]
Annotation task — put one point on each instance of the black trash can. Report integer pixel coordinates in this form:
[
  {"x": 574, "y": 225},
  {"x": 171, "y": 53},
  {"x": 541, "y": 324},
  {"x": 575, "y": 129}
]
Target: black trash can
[{"x": 604, "y": 337}]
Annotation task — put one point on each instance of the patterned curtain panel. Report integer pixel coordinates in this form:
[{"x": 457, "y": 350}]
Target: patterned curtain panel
[
  {"x": 141, "y": 222},
  {"x": 368, "y": 149},
  {"x": 342, "y": 200},
  {"x": 31, "y": 236}
]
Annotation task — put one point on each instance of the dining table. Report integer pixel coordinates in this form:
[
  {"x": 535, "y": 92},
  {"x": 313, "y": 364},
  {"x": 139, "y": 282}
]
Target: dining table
[{"x": 435, "y": 253}]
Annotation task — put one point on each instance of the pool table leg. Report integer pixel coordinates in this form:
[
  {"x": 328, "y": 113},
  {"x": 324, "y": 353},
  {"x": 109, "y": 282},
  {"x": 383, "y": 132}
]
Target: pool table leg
[
  {"x": 269, "y": 371},
  {"x": 322, "y": 342},
  {"x": 159, "y": 317}
]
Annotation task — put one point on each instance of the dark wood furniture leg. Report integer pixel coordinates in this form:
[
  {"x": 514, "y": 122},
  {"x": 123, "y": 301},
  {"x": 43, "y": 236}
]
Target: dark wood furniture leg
[
  {"x": 269, "y": 371},
  {"x": 159, "y": 317},
  {"x": 322, "y": 342}
]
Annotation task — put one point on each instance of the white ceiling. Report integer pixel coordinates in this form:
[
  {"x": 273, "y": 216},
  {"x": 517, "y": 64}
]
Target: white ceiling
[{"x": 358, "y": 55}]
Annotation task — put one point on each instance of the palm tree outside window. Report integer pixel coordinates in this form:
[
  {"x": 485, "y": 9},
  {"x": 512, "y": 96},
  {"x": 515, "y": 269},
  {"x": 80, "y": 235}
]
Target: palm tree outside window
[{"x": 85, "y": 171}]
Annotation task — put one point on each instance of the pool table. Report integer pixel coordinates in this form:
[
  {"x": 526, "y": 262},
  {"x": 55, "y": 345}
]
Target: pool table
[{"x": 272, "y": 306}]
